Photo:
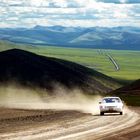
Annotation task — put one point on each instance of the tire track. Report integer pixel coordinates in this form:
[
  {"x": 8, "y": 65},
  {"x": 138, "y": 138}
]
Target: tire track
[
  {"x": 84, "y": 128},
  {"x": 114, "y": 62}
]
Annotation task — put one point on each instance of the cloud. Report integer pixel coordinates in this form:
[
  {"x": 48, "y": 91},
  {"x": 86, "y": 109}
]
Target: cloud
[
  {"x": 25, "y": 13},
  {"x": 119, "y": 1}
]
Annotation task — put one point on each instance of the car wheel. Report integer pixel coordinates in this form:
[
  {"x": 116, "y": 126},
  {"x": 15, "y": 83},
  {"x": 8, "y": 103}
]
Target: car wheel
[
  {"x": 101, "y": 113},
  {"x": 121, "y": 113}
]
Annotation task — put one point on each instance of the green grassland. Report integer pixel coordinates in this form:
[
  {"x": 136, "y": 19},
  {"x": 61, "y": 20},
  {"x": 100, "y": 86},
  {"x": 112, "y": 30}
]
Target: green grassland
[
  {"x": 128, "y": 61},
  {"x": 5, "y": 45}
]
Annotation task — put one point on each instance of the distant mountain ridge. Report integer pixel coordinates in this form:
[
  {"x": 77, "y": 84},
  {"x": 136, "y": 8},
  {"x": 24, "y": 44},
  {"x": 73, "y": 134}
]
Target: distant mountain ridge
[{"x": 124, "y": 38}]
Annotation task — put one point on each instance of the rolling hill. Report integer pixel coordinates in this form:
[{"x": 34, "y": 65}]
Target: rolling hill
[
  {"x": 5, "y": 45},
  {"x": 129, "y": 93},
  {"x": 33, "y": 70},
  {"x": 123, "y": 38},
  {"x": 131, "y": 89}
]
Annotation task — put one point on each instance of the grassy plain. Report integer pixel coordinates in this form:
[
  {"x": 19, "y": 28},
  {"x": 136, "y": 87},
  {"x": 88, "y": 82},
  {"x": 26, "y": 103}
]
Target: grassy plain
[{"x": 128, "y": 61}]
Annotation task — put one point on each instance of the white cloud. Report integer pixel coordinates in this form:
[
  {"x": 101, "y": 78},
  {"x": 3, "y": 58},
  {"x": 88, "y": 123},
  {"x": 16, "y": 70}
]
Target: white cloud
[
  {"x": 71, "y": 12},
  {"x": 123, "y": 1},
  {"x": 120, "y": 15}
]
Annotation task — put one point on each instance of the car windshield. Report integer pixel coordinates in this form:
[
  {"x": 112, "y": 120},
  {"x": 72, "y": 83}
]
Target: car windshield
[{"x": 111, "y": 100}]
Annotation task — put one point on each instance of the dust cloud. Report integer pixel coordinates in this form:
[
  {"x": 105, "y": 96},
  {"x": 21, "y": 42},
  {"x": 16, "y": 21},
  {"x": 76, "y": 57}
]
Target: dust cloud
[{"x": 16, "y": 96}]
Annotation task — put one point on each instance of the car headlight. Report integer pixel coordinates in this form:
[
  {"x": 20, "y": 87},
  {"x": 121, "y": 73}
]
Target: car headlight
[{"x": 101, "y": 107}]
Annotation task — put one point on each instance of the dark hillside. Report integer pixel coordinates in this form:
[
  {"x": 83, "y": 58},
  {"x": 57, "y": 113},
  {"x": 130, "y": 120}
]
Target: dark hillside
[
  {"x": 131, "y": 89},
  {"x": 29, "y": 69}
]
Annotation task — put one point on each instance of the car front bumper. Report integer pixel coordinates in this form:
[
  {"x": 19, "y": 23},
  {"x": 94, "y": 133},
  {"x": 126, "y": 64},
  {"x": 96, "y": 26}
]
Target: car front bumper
[{"x": 111, "y": 109}]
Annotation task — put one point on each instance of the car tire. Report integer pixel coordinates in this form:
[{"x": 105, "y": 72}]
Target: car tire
[
  {"x": 121, "y": 113},
  {"x": 101, "y": 113}
]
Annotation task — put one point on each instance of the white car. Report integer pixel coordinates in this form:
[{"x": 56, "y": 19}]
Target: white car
[{"x": 111, "y": 105}]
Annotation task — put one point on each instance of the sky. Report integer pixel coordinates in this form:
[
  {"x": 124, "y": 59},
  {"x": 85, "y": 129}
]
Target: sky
[{"x": 84, "y": 13}]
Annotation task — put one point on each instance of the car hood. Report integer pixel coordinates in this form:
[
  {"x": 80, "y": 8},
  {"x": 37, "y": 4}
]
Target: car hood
[{"x": 112, "y": 104}]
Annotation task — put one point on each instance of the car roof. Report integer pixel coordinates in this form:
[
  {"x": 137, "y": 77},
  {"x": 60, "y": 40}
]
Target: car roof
[{"x": 110, "y": 97}]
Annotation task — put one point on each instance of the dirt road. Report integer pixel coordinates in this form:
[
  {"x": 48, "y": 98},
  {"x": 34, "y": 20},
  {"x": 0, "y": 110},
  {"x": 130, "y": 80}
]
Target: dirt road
[{"x": 67, "y": 125}]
